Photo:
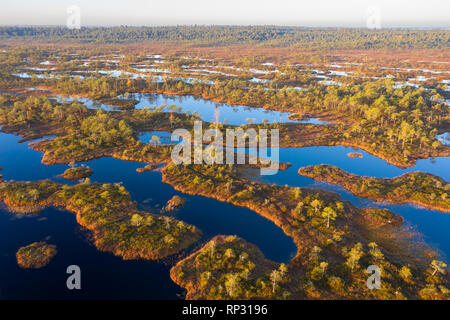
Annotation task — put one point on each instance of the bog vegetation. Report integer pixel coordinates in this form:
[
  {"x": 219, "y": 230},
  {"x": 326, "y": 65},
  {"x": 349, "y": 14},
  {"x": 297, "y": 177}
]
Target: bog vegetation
[
  {"x": 413, "y": 187},
  {"x": 35, "y": 255},
  {"x": 108, "y": 212},
  {"x": 336, "y": 242},
  {"x": 393, "y": 104}
]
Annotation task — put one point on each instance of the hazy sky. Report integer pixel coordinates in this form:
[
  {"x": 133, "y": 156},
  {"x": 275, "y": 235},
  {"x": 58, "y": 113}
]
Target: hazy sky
[{"x": 418, "y": 13}]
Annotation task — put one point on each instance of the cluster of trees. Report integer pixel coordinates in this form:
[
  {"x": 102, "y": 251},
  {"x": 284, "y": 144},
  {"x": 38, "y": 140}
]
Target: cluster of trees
[
  {"x": 77, "y": 173},
  {"x": 24, "y": 193},
  {"x": 162, "y": 117},
  {"x": 96, "y": 134},
  {"x": 39, "y": 109},
  {"x": 377, "y": 115},
  {"x": 97, "y": 88},
  {"x": 227, "y": 268},
  {"x": 120, "y": 228},
  {"x": 83, "y": 134},
  {"x": 382, "y": 115},
  {"x": 400, "y": 116},
  {"x": 311, "y": 38},
  {"x": 416, "y": 187},
  {"x": 103, "y": 130}
]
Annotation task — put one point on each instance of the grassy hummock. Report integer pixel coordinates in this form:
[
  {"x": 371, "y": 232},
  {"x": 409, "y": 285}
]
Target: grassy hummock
[
  {"x": 77, "y": 173},
  {"x": 228, "y": 267},
  {"x": 35, "y": 255}
]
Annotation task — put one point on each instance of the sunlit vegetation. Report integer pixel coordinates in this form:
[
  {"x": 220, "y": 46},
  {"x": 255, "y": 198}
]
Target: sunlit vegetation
[
  {"x": 149, "y": 167},
  {"x": 108, "y": 212},
  {"x": 396, "y": 122},
  {"x": 39, "y": 110},
  {"x": 161, "y": 118},
  {"x": 174, "y": 203},
  {"x": 37, "y": 116},
  {"x": 35, "y": 255},
  {"x": 355, "y": 155},
  {"x": 414, "y": 187},
  {"x": 399, "y": 124},
  {"x": 227, "y": 267},
  {"x": 336, "y": 242},
  {"x": 86, "y": 134},
  {"x": 96, "y": 134}
]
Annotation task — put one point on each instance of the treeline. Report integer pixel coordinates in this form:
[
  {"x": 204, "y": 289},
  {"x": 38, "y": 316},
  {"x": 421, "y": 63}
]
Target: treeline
[{"x": 311, "y": 38}]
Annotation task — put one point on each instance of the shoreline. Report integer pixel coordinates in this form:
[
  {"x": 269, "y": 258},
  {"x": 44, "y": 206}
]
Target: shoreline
[
  {"x": 389, "y": 198},
  {"x": 332, "y": 119}
]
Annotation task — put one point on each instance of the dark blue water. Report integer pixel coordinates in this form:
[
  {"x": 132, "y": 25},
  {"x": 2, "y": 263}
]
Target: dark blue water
[
  {"x": 107, "y": 276},
  {"x": 103, "y": 276},
  {"x": 211, "y": 216},
  {"x": 433, "y": 224}
]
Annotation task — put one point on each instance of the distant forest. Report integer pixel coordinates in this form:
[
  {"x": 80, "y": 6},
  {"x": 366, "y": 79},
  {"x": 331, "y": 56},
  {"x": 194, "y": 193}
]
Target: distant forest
[{"x": 311, "y": 38}]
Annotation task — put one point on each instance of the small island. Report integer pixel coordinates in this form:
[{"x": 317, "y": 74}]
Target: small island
[
  {"x": 149, "y": 167},
  {"x": 77, "y": 173},
  {"x": 174, "y": 203},
  {"x": 354, "y": 155},
  {"x": 367, "y": 106},
  {"x": 298, "y": 117},
  {"x": 35, "y": 255},
  {"x": 413, "y": 187}
]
